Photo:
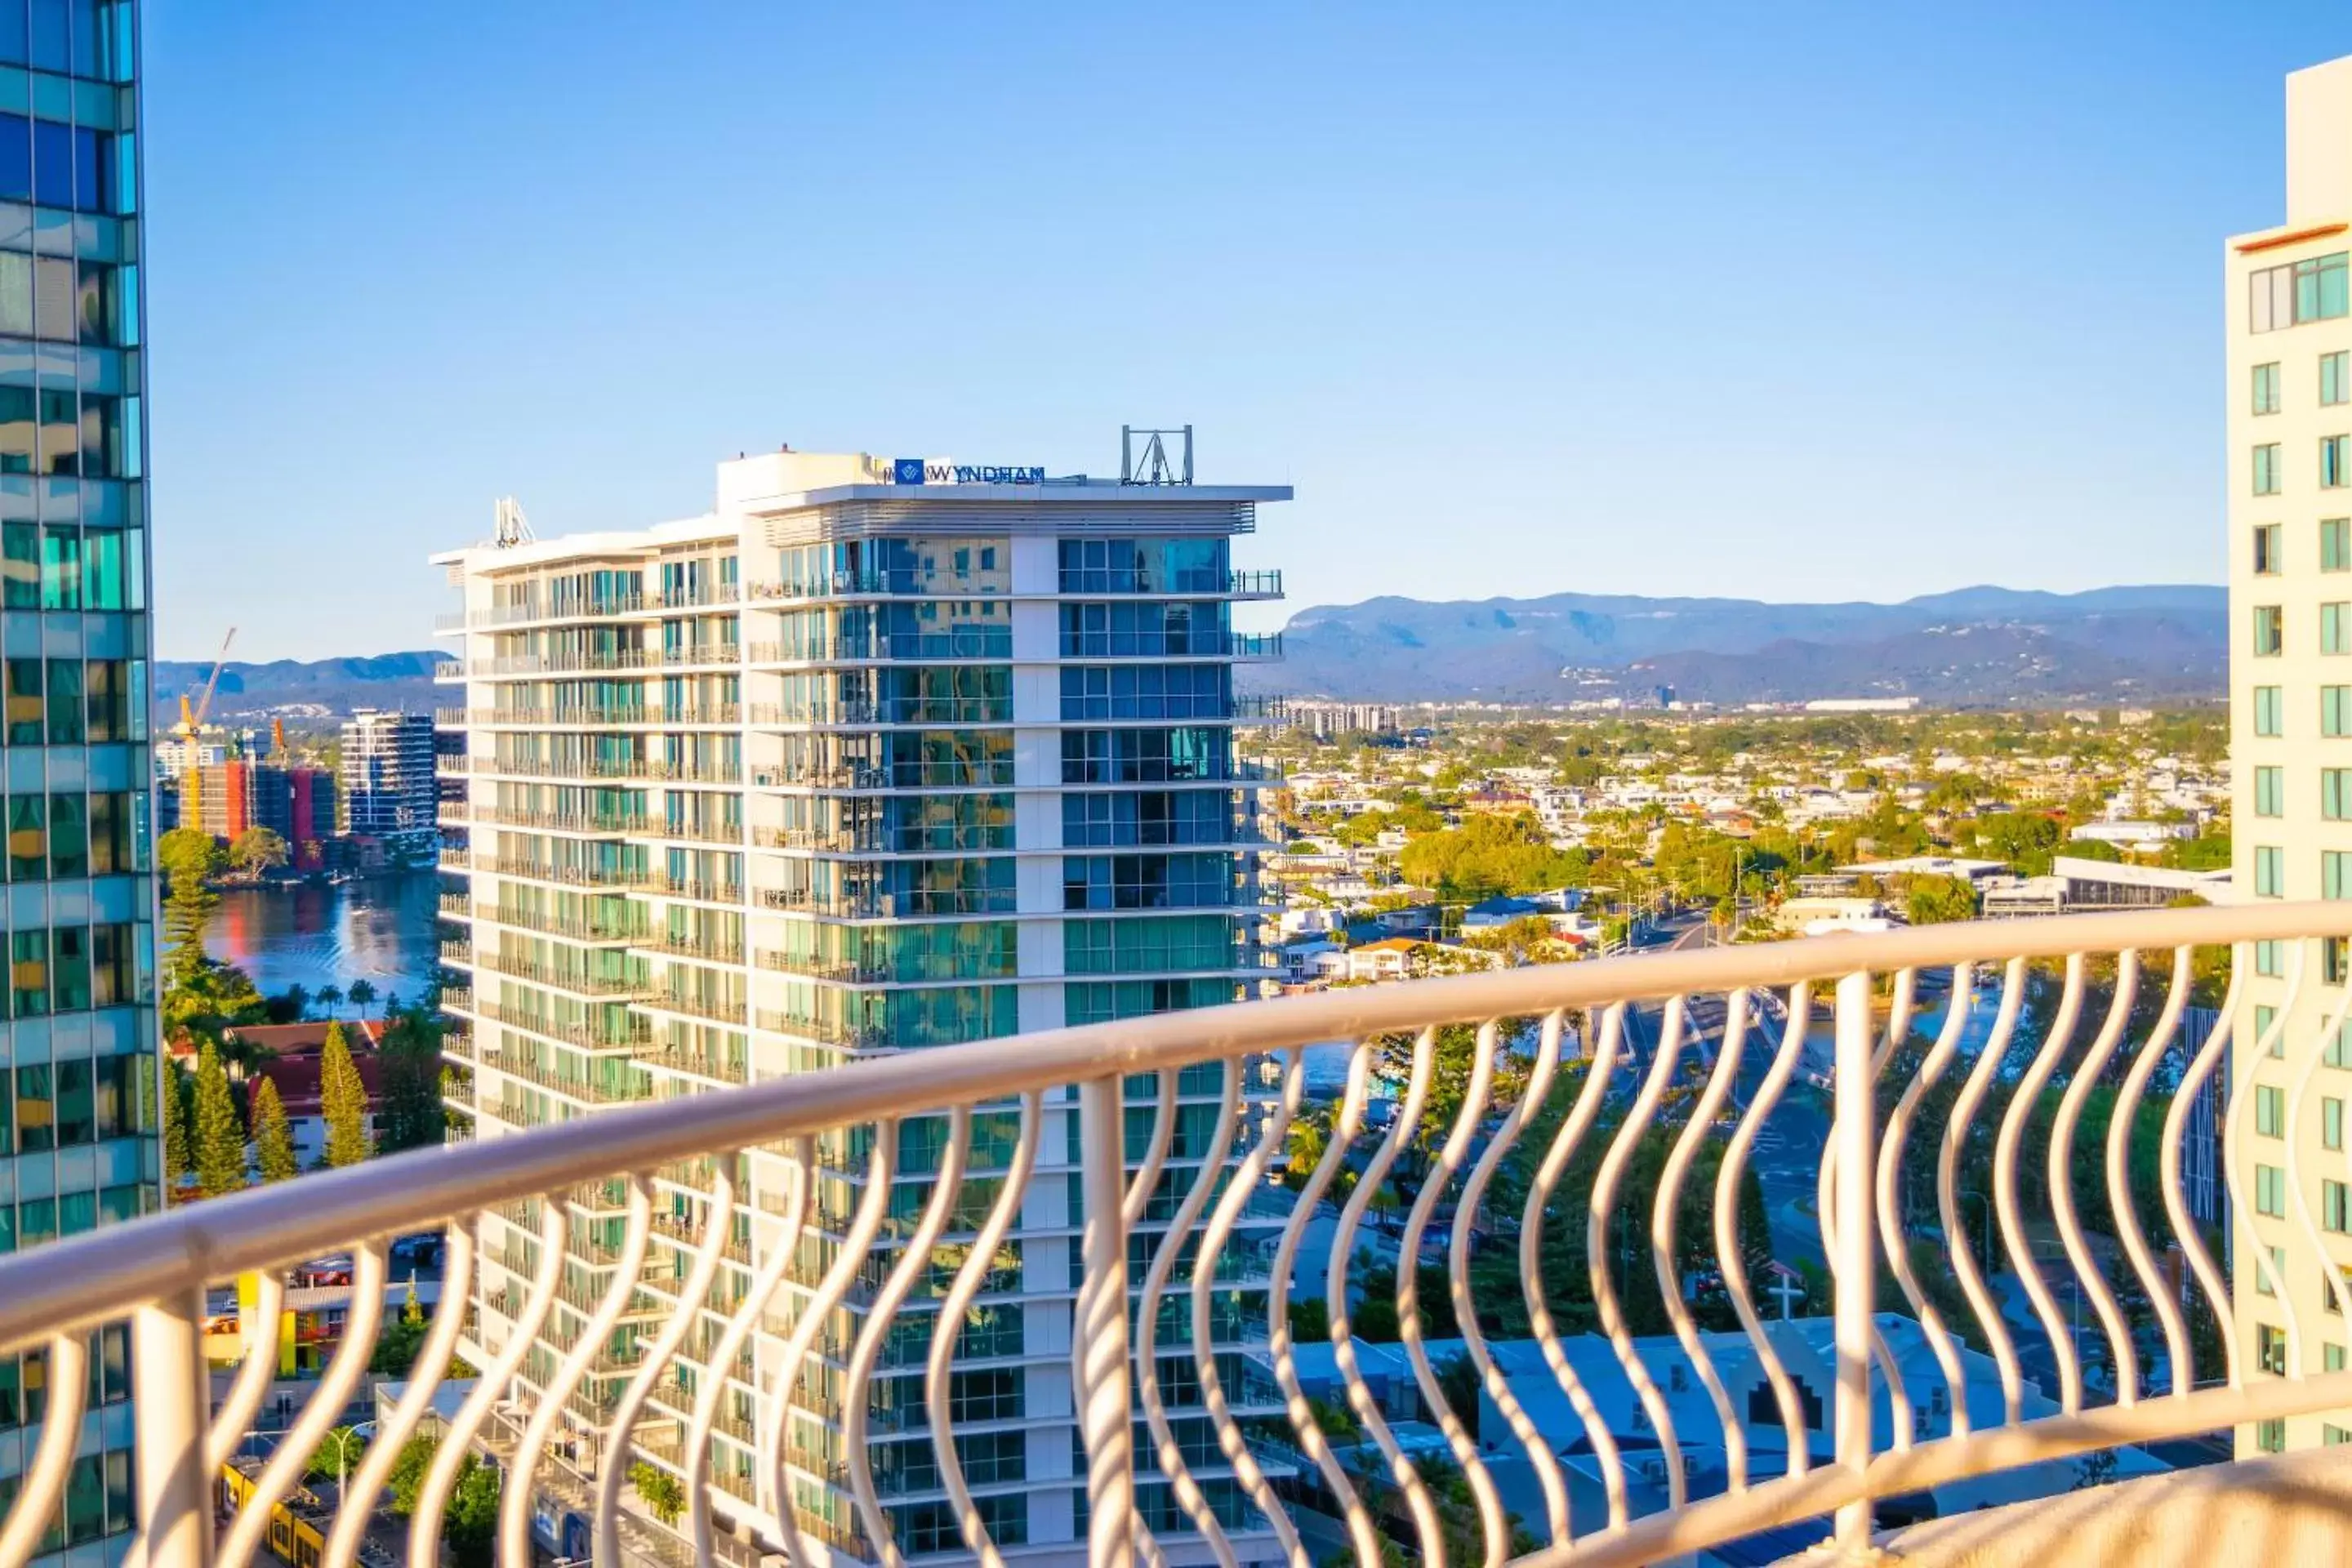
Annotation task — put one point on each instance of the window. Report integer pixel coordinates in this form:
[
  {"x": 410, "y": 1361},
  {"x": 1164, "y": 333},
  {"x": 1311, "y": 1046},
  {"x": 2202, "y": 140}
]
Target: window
[
  {"x": 2335, "y": 377},
  {"x": 2270, "y": 1191},
  {"x": 2266, "y": 388},
  {"x": 2334, "y": 452},
  {"x": 2335, "y": 1208},
  {"x": 2266, "y": 469},
  {"x": 2335, "y": 874},
  {"x": 2270, "y": 790},
  {"x": 2270, "y": 871},
  {"x": 2335, "y": 793},
  {"x": 2270, "y": 709},
  {"x": 2331, "y": 1123},
  {"x": 2331, "y": 1358},
  {"x": 2336, "y": 544},
  {"x": 2336, "y": 627},
  {"x": 2270, "y": 1436},
  {"x": 2270, "y": 1110},
  {"x": 2334, "y": 959},
  {"x": 2269, "y": 1348},
  {"x": 2270, "y": 634},
  {"x": 2266, "y": 1279},
  {"x": 2334, "y": 1436},
  {"x": 2267, "y": 563},
  {"x": 2336, "y": 710},
  {"x": 2313, "y": 291},
  {"x": 2264, "y": 1016},
  {"x": 2267, "y": 961}
]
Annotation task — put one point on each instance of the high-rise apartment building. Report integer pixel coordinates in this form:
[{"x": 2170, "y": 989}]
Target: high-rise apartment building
[
  {"x": 389, "y": 793},
  {"x": 2288, "y": 309},
  {"x": 79, "y": 1067},
  {"x": 877, "y": 756}
]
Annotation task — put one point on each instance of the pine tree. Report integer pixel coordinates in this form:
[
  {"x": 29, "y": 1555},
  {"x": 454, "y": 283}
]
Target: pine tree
[
  {"x": 412, "y": 1116},
  {"x": 342, "y": 1098},
  {"x": 273, "y": 1139},
  {"x": 219, "y": 1138},
  {"x": 179, "y": 1159}
]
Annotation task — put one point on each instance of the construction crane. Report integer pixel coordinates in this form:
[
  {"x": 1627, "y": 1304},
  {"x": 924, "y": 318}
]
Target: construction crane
[{"x": 192, "y": 721}]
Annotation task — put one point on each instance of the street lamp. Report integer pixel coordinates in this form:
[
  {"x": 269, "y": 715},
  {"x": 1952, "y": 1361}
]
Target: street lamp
[{"x": 343, "y": 1435}]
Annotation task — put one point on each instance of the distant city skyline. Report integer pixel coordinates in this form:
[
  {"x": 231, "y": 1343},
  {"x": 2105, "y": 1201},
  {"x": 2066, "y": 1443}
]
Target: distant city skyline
[{"x": 1862, "y": 305}]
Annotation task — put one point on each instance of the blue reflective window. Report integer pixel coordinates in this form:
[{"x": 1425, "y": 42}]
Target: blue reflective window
[
  {"x": 51, "y": 50},
  {"x": 13, "y": 39},
  {"x": 53, "y": 182},
  {"x": 90, "y": 171},
  {"x": 15, "y": 157}
]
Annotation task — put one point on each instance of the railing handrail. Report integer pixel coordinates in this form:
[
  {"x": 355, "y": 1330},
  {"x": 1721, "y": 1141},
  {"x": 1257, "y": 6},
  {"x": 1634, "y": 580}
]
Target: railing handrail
[{"x": 97, "y": 1275}]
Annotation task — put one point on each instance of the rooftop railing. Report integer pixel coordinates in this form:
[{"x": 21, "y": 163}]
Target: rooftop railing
[{"x": 1568, "y": 1144}]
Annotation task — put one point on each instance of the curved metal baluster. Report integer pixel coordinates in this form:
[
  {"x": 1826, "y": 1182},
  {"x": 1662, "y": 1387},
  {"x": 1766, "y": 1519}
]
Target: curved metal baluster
[
  {"x": 2298, "y": 1193},
  {"x": 441, "y": 1479},
  {"x": 1187, "y": 1491},
  {"x": 1222, "y": 1219},
  {"x": 433, "y": 1358},
  {"x": 1630, "y": 1134},
  {"x": 2062, "y": 1178},
  {"x": 1666, "y": 1212},
  {"x": 864, "y": 1225},
  {"x": 1539, "y": 1319},
  {"x": 2004, "y": 1179},
  {"x": 712, "y": 1387},
  {"x": 1493, "y": 1523},
  {"x": 2119, "y": 1199},
  {"x": 1465, "y": 1312},
  {"x": 2176, "y": 1203},
  {"x": 1345, "y": 1126},
  {"x": 1728, "y": 1182},
  {"x": 41, "y": 1489},
  {"x": 256, "y": 1368},
  {"x": 2233, "y": 1141},
  {"x": 1890, "y": 1211},
  {"x": 1898, "y": 1398},
  {"x": 1948, "y": 1192},
  {"x": 514, "y": 1501},
  {"x": 1140, "y": 1186},
  {"x": 914, "y": 1259},
  {"x": 962, "y": 1293},
  {"x": 717, "y": 1221},
  {"x": 1417, "y": 1498},
  {"x": 326, "y": 1405}
]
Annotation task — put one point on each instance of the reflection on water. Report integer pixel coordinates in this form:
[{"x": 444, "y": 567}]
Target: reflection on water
[{"x": 379, "y": 929}]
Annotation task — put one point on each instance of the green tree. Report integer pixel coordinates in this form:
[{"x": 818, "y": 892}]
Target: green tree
[
  {"x": 397, "y": 1346},
  {"x": 343, "y": 1100},
  {"x": 471, "y": 1525},
  {"x": 329, "y": 998},
  {"x": 1487, "y": 856},
  {"x": 179, "y": 1151},
  {"x": 412, "y": 1116},
  {"x": 219, "y": 1138},
  {"x": 362, "y": 993},
  {"x": 257, "y": 849},
  {"x": 338, "y": 1453},
  {"x": 663, "y": 1492},
  {"x": 1934, "y": 901},
  {"x": 273, "y": 1137}
]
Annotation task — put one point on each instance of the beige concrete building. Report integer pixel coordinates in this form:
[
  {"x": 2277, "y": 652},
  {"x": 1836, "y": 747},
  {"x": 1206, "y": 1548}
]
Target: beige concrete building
[{"x": 2289, "y": 312}]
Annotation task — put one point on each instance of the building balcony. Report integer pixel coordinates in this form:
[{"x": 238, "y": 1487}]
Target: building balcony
[
  {"x": 1612, "y": 1174},
  {"x": 706, "y": 716},
  {"x": 645, "y": 770},
  {"x": 540, "y": 666}
]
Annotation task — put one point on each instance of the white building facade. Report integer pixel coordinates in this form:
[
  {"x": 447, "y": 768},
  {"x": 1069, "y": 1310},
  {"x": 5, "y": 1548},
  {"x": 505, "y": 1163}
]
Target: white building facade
[
  {"x": 387, "y": 778},
  {"x": 2288, "y": 311},
  {"x": 872, "y": 758}
]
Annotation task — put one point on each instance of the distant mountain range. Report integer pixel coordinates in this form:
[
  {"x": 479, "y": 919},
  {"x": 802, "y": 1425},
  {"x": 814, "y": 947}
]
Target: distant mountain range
[
  {"x": 1974, "y": 645},
  {"x": 295, "y": 690}
]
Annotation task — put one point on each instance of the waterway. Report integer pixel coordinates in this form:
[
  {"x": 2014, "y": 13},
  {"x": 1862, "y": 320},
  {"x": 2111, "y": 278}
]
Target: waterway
[{"x": 378, "y": 929}]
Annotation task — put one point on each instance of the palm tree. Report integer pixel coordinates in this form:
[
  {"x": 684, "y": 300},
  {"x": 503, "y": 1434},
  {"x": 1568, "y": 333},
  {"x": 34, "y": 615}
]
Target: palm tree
[
  {"x": 362, "y": 993},
  {"x": 297, "y": 996},
  {"x": 328, "y": 997}
]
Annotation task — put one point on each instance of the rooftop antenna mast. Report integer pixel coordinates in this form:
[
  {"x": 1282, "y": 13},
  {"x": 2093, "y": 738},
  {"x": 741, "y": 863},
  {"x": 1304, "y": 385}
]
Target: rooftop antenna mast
[
  {"x": 511, "y": 528},
  {"x": 1151, "y": 466}
]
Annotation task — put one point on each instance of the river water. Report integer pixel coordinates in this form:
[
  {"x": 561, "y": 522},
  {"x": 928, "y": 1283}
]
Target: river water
[{"x": 378, "y": 929}]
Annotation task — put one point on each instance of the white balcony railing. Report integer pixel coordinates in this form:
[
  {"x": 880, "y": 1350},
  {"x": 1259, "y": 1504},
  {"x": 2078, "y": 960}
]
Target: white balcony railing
[{"x": 1552, "y": 1058}]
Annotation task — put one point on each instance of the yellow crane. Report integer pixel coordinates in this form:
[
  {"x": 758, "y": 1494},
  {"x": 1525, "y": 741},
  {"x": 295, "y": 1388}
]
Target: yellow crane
[{"x": 191, "y": 720}]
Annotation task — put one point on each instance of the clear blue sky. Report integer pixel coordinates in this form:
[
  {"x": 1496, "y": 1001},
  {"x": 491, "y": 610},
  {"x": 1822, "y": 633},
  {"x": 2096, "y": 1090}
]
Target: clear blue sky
[{"x": 1784, "y": 301}]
